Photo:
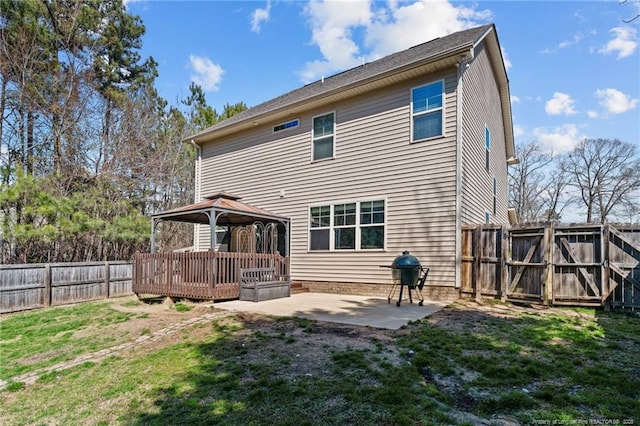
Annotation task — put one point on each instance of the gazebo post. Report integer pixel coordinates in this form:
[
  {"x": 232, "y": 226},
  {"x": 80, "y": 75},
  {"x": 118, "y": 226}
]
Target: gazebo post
[
  {"x": 154, "y": 222},
  {"x": 213, "y": 223}
]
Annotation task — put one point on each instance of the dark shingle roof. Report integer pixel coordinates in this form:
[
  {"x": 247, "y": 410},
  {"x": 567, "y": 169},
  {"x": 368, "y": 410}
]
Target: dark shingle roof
[{"x": 417, "y": 54}]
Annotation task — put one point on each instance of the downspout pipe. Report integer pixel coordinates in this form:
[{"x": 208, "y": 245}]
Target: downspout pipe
[
  {"x": 196, "y": 195},
  {"x": 461, "y": 66}
]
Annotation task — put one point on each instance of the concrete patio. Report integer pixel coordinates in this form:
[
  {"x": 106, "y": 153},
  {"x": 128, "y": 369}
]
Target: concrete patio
[{"x": 340, "y": 308}]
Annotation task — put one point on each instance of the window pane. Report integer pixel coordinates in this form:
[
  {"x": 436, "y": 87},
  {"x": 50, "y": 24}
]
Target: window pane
[
  {"x": 487, "y": 138},
  {"x": 372, "y": 237},
  {"x": 319, "y": 239},
  {"x": 427, "y": 97},
  {"x": 427, "y": 125},
  {"x": 371, "y": 212},
  {"x": 344, "y": 214},
  {"x": 345, "y": 238},
  {"x": 366, "y": 207},
  {"x": 323, "y": 148},
  {"x": 320, "y": 216},
  {"x": 323, "y": 126}
]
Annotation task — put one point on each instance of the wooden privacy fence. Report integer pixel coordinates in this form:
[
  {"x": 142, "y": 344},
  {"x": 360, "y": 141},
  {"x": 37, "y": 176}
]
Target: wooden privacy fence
[
  {"x": 590, "y": 265},
  {"x": 209, "y": 275},
  {"x": 30, "y": 286}
]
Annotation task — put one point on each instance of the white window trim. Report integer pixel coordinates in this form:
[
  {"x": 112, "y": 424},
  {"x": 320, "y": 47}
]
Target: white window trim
[
  {"x": 442, "y": 108},
  {"x": 313, "y": 139},
  {"x": 273, "y": 129},
  {"x": 358, "y": 226}
]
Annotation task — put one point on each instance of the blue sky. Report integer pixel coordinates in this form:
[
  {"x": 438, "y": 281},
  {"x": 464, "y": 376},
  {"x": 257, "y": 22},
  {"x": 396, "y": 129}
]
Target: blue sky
[{"x": 573, "y": 66}]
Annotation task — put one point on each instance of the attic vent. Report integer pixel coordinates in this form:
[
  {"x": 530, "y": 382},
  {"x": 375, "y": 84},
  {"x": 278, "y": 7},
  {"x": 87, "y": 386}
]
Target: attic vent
[{"x": 288, "y": 125}]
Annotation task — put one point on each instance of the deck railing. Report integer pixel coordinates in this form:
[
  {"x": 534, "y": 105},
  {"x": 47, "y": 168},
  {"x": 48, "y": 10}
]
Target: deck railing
[{"x": 207, "y": 275}]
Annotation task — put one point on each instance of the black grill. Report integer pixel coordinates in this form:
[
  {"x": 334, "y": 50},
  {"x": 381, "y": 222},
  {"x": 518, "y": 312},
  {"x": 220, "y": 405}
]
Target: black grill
[{"x": 406, "y": 270}]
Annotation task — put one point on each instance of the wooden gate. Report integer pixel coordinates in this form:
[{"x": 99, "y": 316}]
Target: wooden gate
[
  {"x": 624, "y": 267},
  {"x": 483, "y": 252},
  {"x": 578, "y": 265},
  {"x": 528, "y": 264}
]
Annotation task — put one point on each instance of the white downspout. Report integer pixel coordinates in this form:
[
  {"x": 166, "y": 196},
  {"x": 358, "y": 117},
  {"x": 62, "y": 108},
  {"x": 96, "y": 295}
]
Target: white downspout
[
  {"x": 196, "y": 197},
  {"x": 461, "y": 66}
]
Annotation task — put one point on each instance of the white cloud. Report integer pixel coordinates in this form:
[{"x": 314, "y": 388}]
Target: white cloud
[
  {"x": 518, "y": 131},
  {"x": 206, "y": 74},
  {"x": 259, "y": 16},
  {"x": 505, "y": 58},
  {"x": 382, "y": 28},
  {"x": 624, "y": 43},
  {"x": 615, "y": 102},
  {"x": 515, "y": 99},
  {"x": 558, "y": 140},
  {"x": 560, "y": 104},
  {"x": 593, "y": 114},
  {"x": 566, "y": 43}
]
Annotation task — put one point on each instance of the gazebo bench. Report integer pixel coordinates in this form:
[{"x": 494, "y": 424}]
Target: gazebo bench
[{"x": 258, "y": 284}]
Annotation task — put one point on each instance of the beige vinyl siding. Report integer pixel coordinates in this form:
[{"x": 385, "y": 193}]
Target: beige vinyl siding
[
  {"x": 374, "y": 159},
  {"x": 481, "y": 106}
]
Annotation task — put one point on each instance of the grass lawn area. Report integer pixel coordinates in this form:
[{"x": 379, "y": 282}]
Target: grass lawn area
[{"x": 491, "y": 363}]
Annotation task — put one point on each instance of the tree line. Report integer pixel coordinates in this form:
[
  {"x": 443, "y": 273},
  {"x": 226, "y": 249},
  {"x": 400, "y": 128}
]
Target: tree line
[
  {"x": 88, "y": 149},
  {"x": 599, "y": 178}
]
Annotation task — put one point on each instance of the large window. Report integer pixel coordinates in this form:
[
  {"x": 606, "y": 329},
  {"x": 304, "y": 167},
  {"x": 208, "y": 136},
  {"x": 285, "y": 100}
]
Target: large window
[
  {"x": 323, "y": 136},
  {"x": 347, "y": 226},
  {"x": 426, "y": 111}
]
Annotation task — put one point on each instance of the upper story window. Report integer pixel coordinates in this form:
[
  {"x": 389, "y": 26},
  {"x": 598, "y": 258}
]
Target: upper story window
[
  {"x": 323, "y": 136},
  {"x": 426, "y": 111},
  {"x": 487, "y": 144},
  {"x": 287, "y": 125}
]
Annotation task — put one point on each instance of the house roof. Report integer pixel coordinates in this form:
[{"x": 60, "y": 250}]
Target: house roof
[
  {"x": 232, "y": 211},
  {"x": 426, "y": 57}
]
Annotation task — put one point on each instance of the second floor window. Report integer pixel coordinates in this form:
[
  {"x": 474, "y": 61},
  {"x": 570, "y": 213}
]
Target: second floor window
[
  {"x": 323, "y": 136},
  {"x": 426, "y": 111}
]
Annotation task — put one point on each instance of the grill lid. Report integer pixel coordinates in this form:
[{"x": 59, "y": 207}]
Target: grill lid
[{"x": 405, "y": 261}]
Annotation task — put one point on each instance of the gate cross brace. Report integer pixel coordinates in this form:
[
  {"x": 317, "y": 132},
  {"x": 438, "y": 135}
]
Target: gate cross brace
[
  {"x": 521, "y": 269},
  {"x": 573, "y": 256}
]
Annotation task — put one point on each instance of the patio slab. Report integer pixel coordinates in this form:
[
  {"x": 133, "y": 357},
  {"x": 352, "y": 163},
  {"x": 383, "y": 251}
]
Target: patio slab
[{"x": 340, "y": 308}]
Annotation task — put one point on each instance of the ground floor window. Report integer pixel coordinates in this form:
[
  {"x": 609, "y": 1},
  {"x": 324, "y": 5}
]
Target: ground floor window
[{"x": 347, "y": 226}]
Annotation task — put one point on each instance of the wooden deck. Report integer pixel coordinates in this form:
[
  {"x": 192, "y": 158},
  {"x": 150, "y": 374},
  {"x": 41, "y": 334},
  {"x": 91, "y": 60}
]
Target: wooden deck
[{"x": 208, "y": 275}]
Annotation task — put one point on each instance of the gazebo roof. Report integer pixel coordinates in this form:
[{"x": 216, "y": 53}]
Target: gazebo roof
[{"x": 226, "y": 207}]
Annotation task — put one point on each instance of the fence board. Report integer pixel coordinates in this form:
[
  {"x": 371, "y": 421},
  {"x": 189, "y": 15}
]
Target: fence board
[{"x": 31, "y": 286}]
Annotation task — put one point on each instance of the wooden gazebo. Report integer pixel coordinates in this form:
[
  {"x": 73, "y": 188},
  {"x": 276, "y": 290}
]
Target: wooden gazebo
[{"x": 212, "y": 274}]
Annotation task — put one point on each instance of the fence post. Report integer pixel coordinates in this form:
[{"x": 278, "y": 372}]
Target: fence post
[
  {"x": 47, "y": 285},
  {"x": 477, "y": 261},
  {"x": 504, "y": 276},
  {"x": 107, "y": 279},
  {"x": 606, "y": 270},
  {"x": 548, "y": 260}
]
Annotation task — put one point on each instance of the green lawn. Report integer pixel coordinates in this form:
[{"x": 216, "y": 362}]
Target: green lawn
[{"x": 462, "y": 365}]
